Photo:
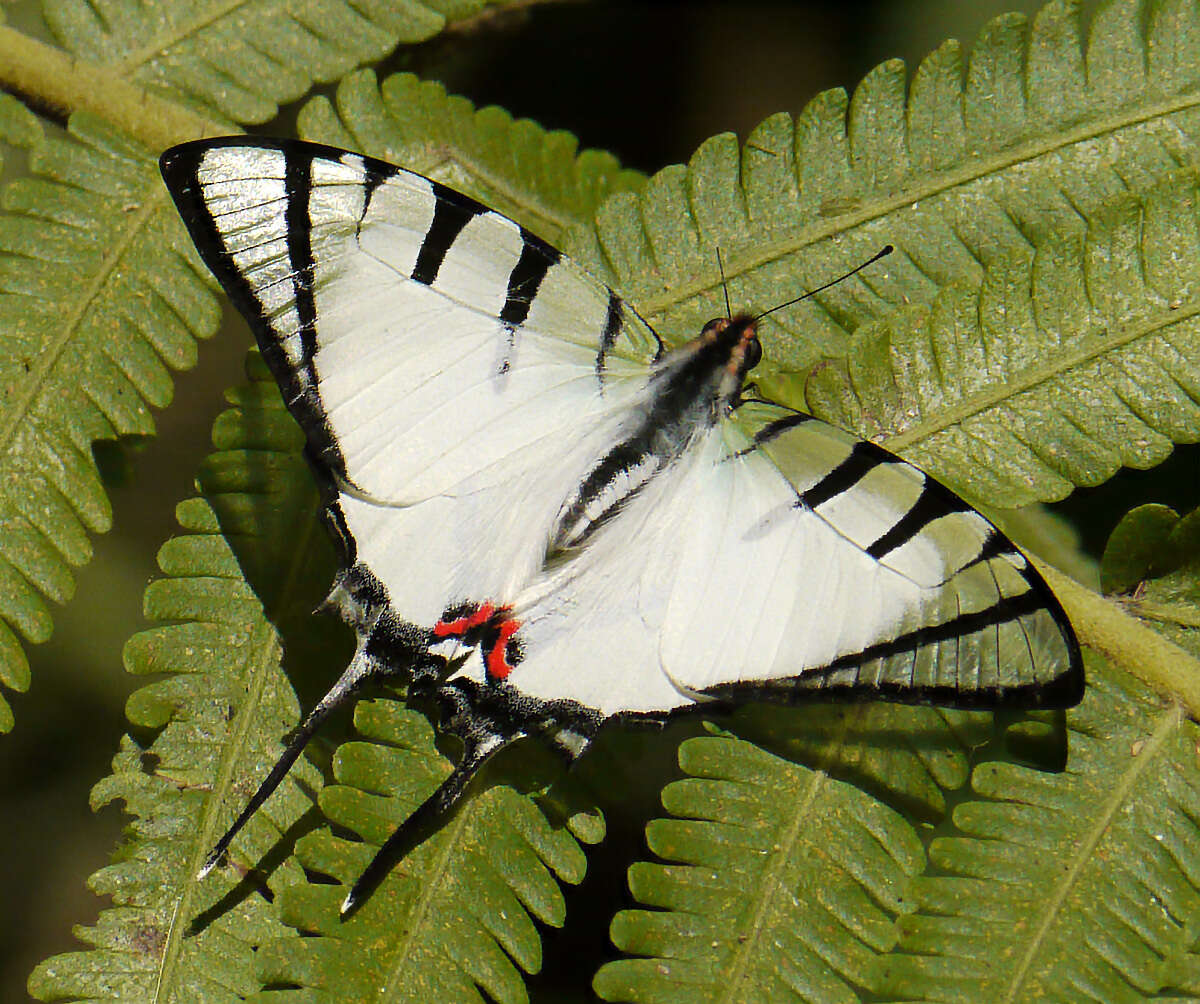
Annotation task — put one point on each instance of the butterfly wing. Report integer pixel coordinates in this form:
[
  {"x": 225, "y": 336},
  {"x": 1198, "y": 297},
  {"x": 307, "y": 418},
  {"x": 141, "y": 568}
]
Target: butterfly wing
[
  {"x": 854, "y": 575},
  {"x": 486, "y": 430},
  {"x": 453, "y": 374}
]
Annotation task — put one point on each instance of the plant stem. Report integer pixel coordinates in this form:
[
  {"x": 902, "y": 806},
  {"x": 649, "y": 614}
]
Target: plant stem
[
  {"x": 58, "y": 82},
  {"x": 1104, "y": 626}
]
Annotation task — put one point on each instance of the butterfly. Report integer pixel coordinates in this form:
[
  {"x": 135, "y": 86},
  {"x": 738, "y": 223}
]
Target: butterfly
[{"x": 547, "y": 519}]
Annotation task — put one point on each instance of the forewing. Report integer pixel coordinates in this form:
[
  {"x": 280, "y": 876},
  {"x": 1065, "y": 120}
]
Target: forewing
[
  {"x": 422, "y": 340},
  {"x": 454, "y": 375},
  {"x": 853, "y": 575}
]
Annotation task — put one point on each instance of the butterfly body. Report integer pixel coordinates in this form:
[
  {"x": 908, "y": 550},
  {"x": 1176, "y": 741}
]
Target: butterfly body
[{"x": 549, "y": 520}]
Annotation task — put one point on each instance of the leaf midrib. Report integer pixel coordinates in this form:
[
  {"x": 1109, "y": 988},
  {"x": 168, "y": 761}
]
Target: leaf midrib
[
  {"x": 769, "y": 885},
  {"x": 1084, "y": 350},
  {"x": 789, "y": 240},
  {"x": 41, "y": 379},
  {"x": 158, "y": 46},
  {"x": 1167, "y": 726},
  {"x": 431, "y": 885},
  {"x": 265, "y": 641}
]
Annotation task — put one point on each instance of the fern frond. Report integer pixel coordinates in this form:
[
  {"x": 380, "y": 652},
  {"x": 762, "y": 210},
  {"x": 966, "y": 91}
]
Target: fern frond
[
  {"x": 221, "y": 709},
  {"x": 18, "y": 125},
  {"x": 787, "y": 885},
  {"x": 980, "y": 179},
  {"x": 457, "y": 916},
  {"x": 987, "y": 156},
  {"x": 537, "y": 177},
  {"x": 1079, "y": 886},
  {"x": 781, "y": 885},
  {"x": 911, "y": 758},
  {"x": 254, "y": 542},
  {"x": 93, "y": 316},
  {"x": 1059, "y": 368},
  {"x": 239, "y": 63},
  {"x": 1149, "y": 542}
]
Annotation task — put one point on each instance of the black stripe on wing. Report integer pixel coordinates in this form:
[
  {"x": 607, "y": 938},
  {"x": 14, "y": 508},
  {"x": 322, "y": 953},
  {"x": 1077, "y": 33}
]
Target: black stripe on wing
[
  {"x": 297, "y": 184},
  {"x": 526, "y": 278},
  {"x": 934, "y": 502},
  {"x": 296, "y": 377},
  {"x": 924, "y": 513},
  {"x": 450, "y": 216},
  {"x": 864, "y": 458},
  {"x": 773, "y": 430},
  {"x": 850, "y": 460},
  {"x": 524, "y": 281},
  {"x": 613, "y": 320}
]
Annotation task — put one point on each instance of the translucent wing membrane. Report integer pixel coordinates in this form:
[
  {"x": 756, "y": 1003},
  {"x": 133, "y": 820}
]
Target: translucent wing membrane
[
  {"x": 550, "y": 522},
  {"x": 853, "y": 575},
  {"x": 854, "y": 572}
]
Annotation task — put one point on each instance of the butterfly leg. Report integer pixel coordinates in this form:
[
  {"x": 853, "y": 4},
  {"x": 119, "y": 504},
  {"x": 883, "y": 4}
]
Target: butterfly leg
[{"x": 486, "y": 716}]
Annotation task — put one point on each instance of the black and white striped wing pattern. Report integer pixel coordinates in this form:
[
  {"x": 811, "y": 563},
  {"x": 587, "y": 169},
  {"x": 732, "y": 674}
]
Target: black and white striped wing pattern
[
  {"x": 519, "y": 475},
  {"x": 433, "y": 350},
  {"x": 855, "y": 574}
]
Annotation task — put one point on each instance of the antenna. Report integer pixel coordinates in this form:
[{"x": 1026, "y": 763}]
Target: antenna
[
  {"x": 724, "y": 285},
  {"x": 883, "y": 253}
]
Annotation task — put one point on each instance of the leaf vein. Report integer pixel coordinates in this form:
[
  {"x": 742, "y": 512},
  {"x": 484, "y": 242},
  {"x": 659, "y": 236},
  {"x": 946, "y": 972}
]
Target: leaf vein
[
  {"x": 880, "y": 208},
  {"x": 1170, "y": 722},
  {"x": 1088, "y": 350}
]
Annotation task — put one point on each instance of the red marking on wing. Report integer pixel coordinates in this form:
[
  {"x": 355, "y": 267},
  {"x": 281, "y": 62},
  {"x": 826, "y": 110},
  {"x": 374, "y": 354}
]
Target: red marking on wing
[
  {"x": 497, "y": 663},
  {"x": 450, "y": 629}
]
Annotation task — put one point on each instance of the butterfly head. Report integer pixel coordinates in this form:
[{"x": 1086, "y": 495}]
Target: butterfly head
[{"x": 736, "y": 340}]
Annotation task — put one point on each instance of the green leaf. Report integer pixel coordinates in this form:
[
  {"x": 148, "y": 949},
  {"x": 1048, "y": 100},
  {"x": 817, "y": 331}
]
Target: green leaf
[
  {"x": 254, "y": 542},
  {"x": 457, "y": 914},
  {"x": 18, "y": 125},
  {"x": 780, "y": 885},
  {"x": 1046, "y": 533},
  {"x": 912, "y": 758},
  {"x": 1079, "y": 886},
  {"x": 95, "y": 309},
  {"x": 221, "y": 708},
  {"x": 82, "y": 368},
  {"x": 1165, "y": 566},
  {"x": 539, "y": 178},
  {"x": 1139, "y": 547},
  {"x": 1035, "y": 156},
  {"x": 239, "y": 63},
  {"x": 991, "y": 154},
  {"x": 783, "y": 884},
  {"x": 1056, "y": 370}
]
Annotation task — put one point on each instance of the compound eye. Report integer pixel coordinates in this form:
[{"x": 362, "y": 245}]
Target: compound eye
[
  {"x": 716, "y": 324},
  {"x": 753, "y": 353}
]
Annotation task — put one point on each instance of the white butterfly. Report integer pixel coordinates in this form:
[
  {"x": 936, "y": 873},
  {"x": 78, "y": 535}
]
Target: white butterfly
[{"x": 548, "y": 519}]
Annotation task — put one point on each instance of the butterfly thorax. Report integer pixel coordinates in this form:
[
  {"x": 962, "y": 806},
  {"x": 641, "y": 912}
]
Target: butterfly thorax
[{"x": 690, "y": 390}]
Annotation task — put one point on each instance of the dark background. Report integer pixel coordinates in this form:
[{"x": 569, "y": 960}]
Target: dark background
[{"x": 645, "y": 81}]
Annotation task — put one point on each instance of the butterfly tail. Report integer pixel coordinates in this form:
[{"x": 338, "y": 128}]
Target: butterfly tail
[
  {"x": 357, "y": 674},
  {"x": 444, "y": 800}
]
